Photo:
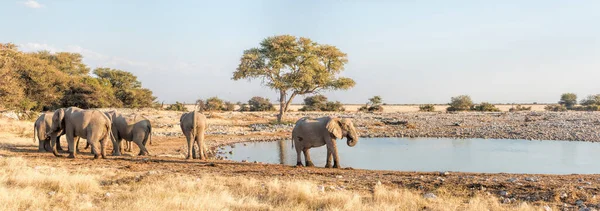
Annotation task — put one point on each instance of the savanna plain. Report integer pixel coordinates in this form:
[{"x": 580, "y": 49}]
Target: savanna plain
[{"x": 164, "y": 180}]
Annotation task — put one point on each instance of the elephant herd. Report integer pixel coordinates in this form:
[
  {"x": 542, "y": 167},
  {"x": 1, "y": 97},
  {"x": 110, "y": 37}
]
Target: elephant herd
[{"x": 98, "y": 128}]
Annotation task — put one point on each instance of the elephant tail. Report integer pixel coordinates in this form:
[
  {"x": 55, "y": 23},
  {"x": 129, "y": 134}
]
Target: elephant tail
[
  {"x": 34, "y": 131},
  {"x": 150, "y": 134}
]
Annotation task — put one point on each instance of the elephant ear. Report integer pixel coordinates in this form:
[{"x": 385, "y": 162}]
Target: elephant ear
[{"x": 333, "y": 126}]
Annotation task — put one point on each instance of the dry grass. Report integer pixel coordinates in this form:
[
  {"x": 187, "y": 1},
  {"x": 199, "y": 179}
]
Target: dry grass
[{"x": 23, "y": 187}]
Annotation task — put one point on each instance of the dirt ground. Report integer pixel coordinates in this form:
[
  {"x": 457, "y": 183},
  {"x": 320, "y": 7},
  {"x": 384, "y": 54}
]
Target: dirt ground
[{"x": 559, "y": 190}]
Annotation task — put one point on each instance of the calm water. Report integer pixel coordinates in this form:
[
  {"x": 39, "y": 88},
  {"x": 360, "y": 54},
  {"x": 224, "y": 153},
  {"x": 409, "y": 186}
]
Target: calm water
[{"x": 426, "y": 154}]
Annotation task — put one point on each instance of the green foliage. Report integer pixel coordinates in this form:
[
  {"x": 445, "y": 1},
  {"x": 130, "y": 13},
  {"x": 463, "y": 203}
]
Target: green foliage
[
  {"x": 260, "y": 104},
  {"x": 176, "y": 107},
  {"x": 213, "y": 104},
  {"x": 294, "y": 66},
  {"x": 46, "y": 81},
  {"x": 519, "y": 108},
  {"x": 228, "y": 106},
  {"x": 555, "y": 108},
  {"x": 568, "y": 100},
  {"x": 460, "y": 103},
  {"x": 591, "y": 100},
  {"x": 320, "y": 103},
  {"x": 243, "y": 107},
  {"x": 485, "y": 107},
  {"x": 427, "y": 108},
  {"x": 374, "y": 105}
]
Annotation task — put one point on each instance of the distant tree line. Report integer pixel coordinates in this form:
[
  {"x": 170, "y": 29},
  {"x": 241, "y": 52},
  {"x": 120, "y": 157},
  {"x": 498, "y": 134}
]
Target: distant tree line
[
  {"x": 45, "y": 81},
  {"x": 568, "y": 101}
]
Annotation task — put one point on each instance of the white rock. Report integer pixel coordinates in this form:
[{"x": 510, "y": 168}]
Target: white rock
[
  {"x": 321, "y": 188},
  {"x": 339, "y": 176},
  {"x": 108, "y": 194},
  {"x": 547, "y": 208},
  {"x": 52, "y": 193},
  {"x": 429, "y": 196}
]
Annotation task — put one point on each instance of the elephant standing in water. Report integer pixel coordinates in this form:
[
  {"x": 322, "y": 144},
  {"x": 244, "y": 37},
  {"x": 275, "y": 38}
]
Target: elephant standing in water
[
  {"x": 42, "y": 126},
  {"x": 134, "y": 130},
  {"x": 193, "y": 126},
  {"x": 309, "y": 133},
  {"x": 74, "y": 122}
]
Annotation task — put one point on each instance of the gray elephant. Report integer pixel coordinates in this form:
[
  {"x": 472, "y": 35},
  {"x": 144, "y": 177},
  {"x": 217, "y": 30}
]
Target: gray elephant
[
  {"x": 137, "y": 130},
  {"x": 92, "y": 125},
  {"x": 42, "y": 126},
  {"x": 309, "y": 133},
  {"x": 193, "y": 126}
]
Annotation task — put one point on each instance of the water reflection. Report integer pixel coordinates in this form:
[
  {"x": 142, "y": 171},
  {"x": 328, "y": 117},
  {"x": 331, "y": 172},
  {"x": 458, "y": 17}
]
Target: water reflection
[{"x": 432, "y": 154}]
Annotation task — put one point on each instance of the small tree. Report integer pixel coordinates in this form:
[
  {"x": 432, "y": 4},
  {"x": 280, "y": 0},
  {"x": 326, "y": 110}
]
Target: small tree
[
  {"x": 200, "y": 105},
  {"x": 320, "y": 103},
  {"x": 591, "y": 100},
  {"x": 485, "y": 107},
  {"x": 373, "y": 105},
  {"x": 228, "y": 106},
  {"x": 568, "y": 100},
  {"x": 243, "y": 106},
  {"x": 519, "y": 108},
  {"x": 260, "y": 104},
  {"x": 427, "y": 108},
  {"x": 176, "y": 107},
  {"x": 555, "y": 108},
  {"x": 294, "y": 66},
  {"x": 460, "y": 103},
  {"x": 214, "y": 104}
]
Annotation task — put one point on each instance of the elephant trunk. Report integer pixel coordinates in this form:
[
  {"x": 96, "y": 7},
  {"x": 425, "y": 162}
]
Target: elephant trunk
[
  {"x": 352, "y": 139},
  {"x": 53, "y": 139}
]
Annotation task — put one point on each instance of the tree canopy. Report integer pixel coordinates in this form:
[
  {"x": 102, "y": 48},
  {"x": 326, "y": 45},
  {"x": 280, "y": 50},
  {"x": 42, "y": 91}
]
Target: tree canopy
[
  {"x": 45, "y": 81},
  {"x": 294, "y": 66}
]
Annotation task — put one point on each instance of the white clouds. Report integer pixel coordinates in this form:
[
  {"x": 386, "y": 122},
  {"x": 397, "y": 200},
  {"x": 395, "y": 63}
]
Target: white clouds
[
  {"x": 92, "y": 57},
  {"x": 32, "y": 4}
]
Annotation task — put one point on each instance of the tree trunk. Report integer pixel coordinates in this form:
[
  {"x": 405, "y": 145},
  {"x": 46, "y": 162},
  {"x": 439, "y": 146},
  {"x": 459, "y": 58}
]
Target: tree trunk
[{"x": 282, "y": 107}]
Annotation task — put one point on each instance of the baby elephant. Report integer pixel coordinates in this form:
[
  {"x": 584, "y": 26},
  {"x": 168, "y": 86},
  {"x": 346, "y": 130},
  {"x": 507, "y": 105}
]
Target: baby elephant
[
  {"x": 136, "y": 129},
  {"x": 42, "y": 126},
  {"x": 309, "y": 133}
]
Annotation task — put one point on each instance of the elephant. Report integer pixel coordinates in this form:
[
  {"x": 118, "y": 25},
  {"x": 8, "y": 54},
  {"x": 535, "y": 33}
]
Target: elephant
[
  {"x": 193, "y": 126},
  {"x": 92, "y": 125},
  {"x": 134, "y": 130},
  {"x": 316, "y": 132},
  {"x": 42, "y": 126}
]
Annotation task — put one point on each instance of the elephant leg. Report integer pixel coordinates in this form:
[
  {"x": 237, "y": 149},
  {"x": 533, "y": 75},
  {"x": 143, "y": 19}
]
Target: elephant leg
[
  {"x": 307, "y": 159},
  {"x": 298, "y": 155},
  {"x": 200, "y": 140},
  {"x": 117, "y": 146},
  {"x": 94, "y": 149},
  {"x": 189, "y": 143},
  {"x": 42, "y": 145},
  {"x": 329, "y": 158},
  {"x": 71, "y": 143},
  {"x": 58, "y": 147},
  {"x": 103, "y": 144},
  {"x": 138, "y": 139},
  {"x": 129, "y": 149},
  {"x": 336, "y": 157},
  {"x": 47, "y": 146}
]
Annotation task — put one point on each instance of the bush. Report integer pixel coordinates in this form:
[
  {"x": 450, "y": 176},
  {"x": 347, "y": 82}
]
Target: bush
[
  {"x": 586, "y": 108},
  {"x": 427, "y": 108},
  {"x": 519, "y": 108},
  {"x": 485, "y": 107},
  {"x": 591, "y": 100},
  {"x": 260, "y": 104},
  {"x": 320, "y": 103},
  {"x": 568, "y": 100},
  {"x": 243, "y": 106},
  {"x": 555, "y": 108},
  {"x": 228, "y": 106},
  {"x": 176, "y": 107},
  {"x": 213, "y": 104},
  {"x": 374, "y": 105},
  {"x": 460, "y": 103}
]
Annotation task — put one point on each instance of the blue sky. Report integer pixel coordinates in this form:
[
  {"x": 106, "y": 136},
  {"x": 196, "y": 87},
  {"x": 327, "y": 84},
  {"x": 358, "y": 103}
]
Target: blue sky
[{"x": 405, "y": 51}]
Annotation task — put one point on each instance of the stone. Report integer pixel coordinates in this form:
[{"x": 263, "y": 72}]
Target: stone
[
  {"x": 503, "y": 193},
  {"x": 52, "y": 193},
  {"x": 547, "y": 208},
  {"x": 512, "y": 180},
  {"x": 339, "y": 176},
  {"x": 563, "y": 196},
  {"x": 108, "y": 194},
  {"x": 321, "y": 188},
  {"x": 531, "y": 179},
  {"x": 429, "y": 196}
]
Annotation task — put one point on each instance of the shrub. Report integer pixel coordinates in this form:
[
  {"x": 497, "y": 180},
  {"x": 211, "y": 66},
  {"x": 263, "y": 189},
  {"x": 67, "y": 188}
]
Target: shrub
[
  {"x": 591, "y": 100},
  {"x": 320, "y": 103},
  {"x": 555, "y": 108},
  {"x": 568, "y": 100},
  {"x": 586, "y": 108},
  {"x": 519, "y": 108},
  {"x": 260, "y": 104},
  {"x": 460, "y": 103},
  {"x": 427, "y": 108},
  {"x": 200, "y": 105},
  {"x": 374, "y": 105},
  {"x": 243, "y": 106},
  {"x": 228, "y": 106},
  {"x": 213, "y": 104},
  {"x": 485, "y": 107},
  {"x": 176, "y": 107}
]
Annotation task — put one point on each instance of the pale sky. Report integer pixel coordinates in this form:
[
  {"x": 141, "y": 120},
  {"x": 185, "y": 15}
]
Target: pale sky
[{"x": 406, "y": 51}]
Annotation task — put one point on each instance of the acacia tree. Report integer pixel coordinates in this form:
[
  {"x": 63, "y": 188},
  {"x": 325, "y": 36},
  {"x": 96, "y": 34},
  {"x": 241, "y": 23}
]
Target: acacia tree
[{"x": 294, "y": 66}]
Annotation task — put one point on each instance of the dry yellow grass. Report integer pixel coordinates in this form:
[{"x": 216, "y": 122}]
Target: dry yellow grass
[{"x": 23, "y": 187}]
